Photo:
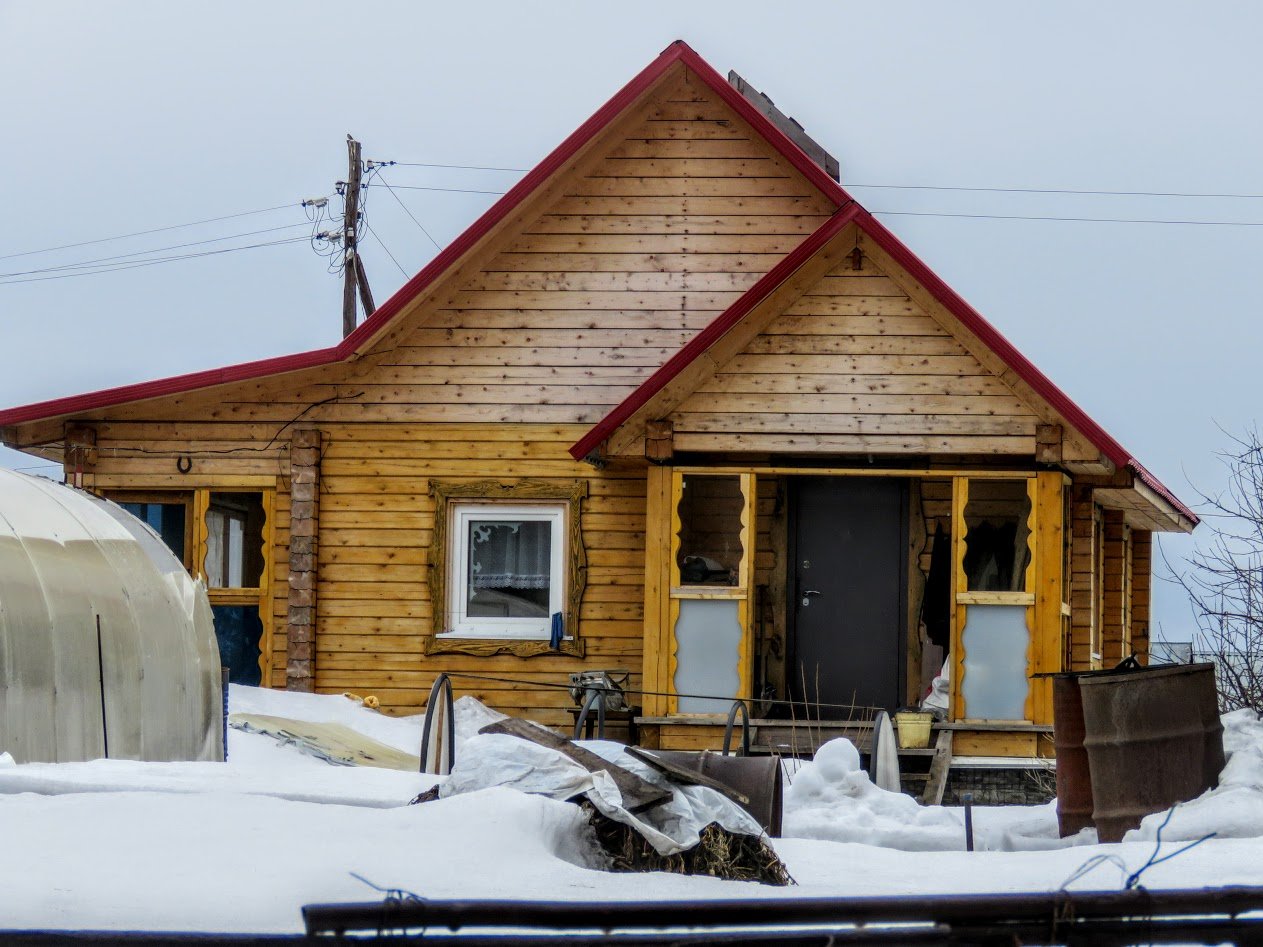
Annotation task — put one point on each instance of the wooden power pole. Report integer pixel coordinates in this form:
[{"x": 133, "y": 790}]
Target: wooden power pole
[{"x": 353, "y": 276}]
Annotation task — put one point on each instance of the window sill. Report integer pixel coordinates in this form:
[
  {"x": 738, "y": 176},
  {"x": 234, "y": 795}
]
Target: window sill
[{"x": 488, "y": 647}]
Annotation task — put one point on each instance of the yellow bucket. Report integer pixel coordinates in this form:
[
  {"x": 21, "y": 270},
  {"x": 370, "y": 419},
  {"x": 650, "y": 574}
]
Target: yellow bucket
[{"x": 914, "y": 729}]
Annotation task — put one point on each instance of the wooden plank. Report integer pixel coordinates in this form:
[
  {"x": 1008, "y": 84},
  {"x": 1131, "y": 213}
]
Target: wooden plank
[
  {"x": 994, "y": 743},
  {"x": 687, "y": 777},
  {"x": 941, "y": 425},
  {"x": 940, "y": 766},
  {"x": 638, "y": 794},
  {"x": 852, "y": 443},
  {"x": 707, "y": 224}
]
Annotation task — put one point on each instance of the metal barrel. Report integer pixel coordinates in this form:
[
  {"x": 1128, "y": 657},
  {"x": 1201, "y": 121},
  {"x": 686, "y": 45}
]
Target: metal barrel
[
  {"x": 1074, "y": 778},
  {"x": 758, "y": 778},
  {"x": 1150, "y": 741}
]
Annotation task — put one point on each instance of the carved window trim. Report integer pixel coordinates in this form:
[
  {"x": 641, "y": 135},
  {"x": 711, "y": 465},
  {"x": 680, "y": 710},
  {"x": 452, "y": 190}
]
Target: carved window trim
[{"x": 575, "y": 563}]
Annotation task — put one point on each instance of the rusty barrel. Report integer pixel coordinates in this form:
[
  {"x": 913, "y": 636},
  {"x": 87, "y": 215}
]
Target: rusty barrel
[
  {"x": 758, "y": 778},
  {"x": 1074, "y": 778},
  {"x": 1153, "y": 739}
]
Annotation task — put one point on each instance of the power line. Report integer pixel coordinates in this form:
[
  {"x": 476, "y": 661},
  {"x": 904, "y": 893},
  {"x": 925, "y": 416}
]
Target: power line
[
  {"x": 373, "y": 234},
  {"x": 1086, "y": 220},
  {"x": 917, "y": 187},
  {"x": 1053, "y": 190},
  {"x": 121, "y": 256},
  {"x": 135, "y": 264},
  {"x": 455, "y": 190},
  {"x": 141, "y": 233},
  {"x": 408, "y": 212},
  {"x": 456, "y": 167}
]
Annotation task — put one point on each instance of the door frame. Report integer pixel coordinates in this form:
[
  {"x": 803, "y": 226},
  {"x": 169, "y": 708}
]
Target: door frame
[{"x": 793, "y": 592}]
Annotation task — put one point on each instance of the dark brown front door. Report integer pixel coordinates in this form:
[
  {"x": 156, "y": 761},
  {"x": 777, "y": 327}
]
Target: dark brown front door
[{"x": 848, "y": 582}]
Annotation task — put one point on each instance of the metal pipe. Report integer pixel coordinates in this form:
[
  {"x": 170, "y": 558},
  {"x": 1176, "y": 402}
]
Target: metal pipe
[{"x": 1047, "y": 911}]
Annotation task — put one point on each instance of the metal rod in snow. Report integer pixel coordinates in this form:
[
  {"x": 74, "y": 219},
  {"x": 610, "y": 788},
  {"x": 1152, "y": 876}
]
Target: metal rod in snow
[{"x": 100, "y": 666}]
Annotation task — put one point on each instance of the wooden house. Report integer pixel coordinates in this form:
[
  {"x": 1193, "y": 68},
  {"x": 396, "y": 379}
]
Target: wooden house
[{"x": 677, "y": 404}]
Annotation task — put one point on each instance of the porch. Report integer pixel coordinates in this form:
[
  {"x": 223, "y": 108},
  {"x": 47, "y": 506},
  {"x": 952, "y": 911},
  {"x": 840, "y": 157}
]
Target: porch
[{"x": 824, "y": 594}]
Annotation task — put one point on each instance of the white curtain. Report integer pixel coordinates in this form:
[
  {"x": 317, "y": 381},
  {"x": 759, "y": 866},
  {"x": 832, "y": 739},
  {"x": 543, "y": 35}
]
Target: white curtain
[{"x": 509, "y": 554}]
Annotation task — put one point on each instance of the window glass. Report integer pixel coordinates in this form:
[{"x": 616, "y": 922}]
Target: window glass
[
  {"x": 997, "y": 536},
  {"x": 234, "y": 540},
  {"x": 239, "y": 630},
  {"x": 509, "y": 568},
  {"x": 507, "y": 577},
  {"x": 710, "y": 530},
  {"x": 166, "y": 519}
]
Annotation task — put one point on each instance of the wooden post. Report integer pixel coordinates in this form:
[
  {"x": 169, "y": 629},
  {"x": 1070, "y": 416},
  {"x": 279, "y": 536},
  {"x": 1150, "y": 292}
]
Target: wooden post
[
  {"x": 1141, "y": 582},
  {"x": 1115, "y": 608},
  {"x": 350, "y": 229},
  {"x": 304, "y": 531},
  {"x": 656, "y": 654},
  {"x": 1049, "y": 592}
]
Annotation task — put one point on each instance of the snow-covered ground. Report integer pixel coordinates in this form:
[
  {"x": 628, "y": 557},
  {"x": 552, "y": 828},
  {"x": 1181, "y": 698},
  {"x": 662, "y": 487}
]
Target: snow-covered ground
[{"x": 241, "y": 846}]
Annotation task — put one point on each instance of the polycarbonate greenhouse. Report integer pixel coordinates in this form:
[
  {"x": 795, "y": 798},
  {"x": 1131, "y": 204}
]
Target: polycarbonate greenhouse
[{"x": 107, "y": 646}]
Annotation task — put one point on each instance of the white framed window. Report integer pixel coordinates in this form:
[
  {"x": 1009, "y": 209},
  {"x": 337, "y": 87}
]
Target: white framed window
[{"x": 507, "y": 577}]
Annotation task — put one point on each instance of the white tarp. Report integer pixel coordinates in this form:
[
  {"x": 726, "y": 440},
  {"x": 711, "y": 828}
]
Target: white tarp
[{"x": 498, "y": 760}]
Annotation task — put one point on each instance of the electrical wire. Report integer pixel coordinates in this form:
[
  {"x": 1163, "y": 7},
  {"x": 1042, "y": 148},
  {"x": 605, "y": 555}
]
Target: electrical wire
[
  {"x": 407, "y": 211},
  {"x": 1056, "y": 190},
  {"x": 454, "y": 190},
  {"x": 456, "y": 167},
  {"x": 135, "y": 264},
  {"x": 373, "y": 234},
  {"x": 1083, "y": 220},
  {"x": 921, "y": 187},
  {"x": 121, "y": 256},
  {"x": 141, "y": 233}
]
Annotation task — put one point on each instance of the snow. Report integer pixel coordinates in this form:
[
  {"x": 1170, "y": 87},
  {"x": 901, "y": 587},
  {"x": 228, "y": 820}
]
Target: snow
[{"x": 241, "y": 846}]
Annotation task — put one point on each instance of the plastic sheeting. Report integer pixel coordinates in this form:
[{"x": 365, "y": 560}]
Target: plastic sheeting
[
  {"x": 149, "y": 684},
  {"x": 493, "y": 759}
]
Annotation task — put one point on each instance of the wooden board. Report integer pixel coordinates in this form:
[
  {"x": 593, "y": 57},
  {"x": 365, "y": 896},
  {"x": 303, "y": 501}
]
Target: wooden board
[{"x": 638, "y": 794}]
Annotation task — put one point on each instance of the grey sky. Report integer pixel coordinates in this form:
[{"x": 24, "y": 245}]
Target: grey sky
[{"x": 124, "y": 117}]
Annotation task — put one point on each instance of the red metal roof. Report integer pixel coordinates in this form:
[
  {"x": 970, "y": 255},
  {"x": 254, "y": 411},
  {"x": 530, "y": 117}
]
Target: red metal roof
[
  {"x": 368, "y": 330},
  {"x": 849, "y": 211},
  {"x": 969, "y": 317}
]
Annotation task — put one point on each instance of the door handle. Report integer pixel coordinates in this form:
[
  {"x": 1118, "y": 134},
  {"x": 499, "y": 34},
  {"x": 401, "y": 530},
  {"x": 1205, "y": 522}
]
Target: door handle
[
  {"x": 807, "y": 593},
  {"x": 812, "y": 592}
]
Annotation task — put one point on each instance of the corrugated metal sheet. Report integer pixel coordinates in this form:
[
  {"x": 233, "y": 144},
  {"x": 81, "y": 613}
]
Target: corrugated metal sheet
[{"x": 149, "y": 684}]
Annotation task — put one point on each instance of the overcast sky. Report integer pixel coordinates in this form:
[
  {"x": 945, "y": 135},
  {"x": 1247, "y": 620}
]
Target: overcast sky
[{"x": 126, "y": 117}]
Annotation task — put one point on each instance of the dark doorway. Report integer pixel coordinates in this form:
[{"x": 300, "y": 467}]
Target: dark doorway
[{"x": 848, "y": 551}]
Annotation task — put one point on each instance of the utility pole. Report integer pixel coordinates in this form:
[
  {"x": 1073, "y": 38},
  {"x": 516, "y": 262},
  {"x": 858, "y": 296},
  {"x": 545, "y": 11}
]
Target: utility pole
[{"x": 353, "y": 276}]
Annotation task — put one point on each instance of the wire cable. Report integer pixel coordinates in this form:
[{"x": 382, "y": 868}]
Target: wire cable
[
  {"x": 456, "y": 167},
  {"x": 408, "y": 212},
  {"x": 1083, "y": 220},
  {"x": 135, "y": 264},
  {"x": 373, "y": 234},
  {"x": 122, "y": 256},
  {"x": 141, "y": 233},
  {"x": 1056, "y": 190}
]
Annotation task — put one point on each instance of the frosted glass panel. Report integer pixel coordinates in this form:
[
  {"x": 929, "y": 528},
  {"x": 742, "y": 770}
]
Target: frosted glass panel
[
  {"x": 995, "y": 640},
  {"x": 708, "y": 643}
]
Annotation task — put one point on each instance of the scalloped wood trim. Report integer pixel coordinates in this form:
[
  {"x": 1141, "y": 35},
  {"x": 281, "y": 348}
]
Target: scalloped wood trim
[{"x": 489, "y": 647}]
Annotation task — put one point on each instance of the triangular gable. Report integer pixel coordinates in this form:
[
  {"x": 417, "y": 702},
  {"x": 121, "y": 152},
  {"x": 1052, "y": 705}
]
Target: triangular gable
[
  {"x": 732, "y": 331},
  {"x": 387, "y": 317}
]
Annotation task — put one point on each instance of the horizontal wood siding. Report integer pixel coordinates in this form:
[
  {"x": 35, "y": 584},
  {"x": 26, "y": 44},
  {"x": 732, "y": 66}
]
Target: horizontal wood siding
[
  {"x": 376, "y": 524},
  {"x": 855, "y": 366},
  {"x": 682, "y": 214}
]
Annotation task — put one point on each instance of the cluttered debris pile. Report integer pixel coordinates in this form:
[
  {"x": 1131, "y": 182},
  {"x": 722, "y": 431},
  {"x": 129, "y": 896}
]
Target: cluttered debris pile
[{"x": 649, "y": 811}]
